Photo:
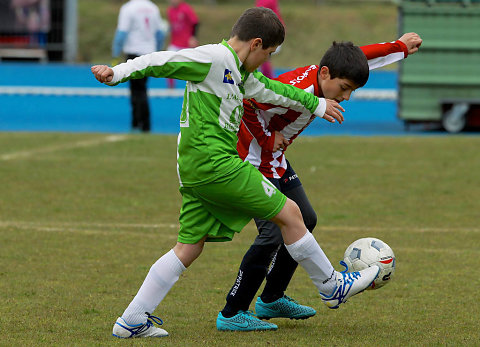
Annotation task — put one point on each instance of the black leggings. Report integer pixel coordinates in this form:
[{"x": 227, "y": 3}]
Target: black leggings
[
  {"x": 139, "y": 102},
  {"x": 269, "y": 246}
]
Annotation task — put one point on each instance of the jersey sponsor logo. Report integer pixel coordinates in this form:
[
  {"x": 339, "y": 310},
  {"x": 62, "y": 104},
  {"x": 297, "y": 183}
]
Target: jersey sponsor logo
[
  {"x": 304, "y": 75},
  {"x": 234, "y": 121},
  {"x": 227, "y": 78},
  {"x": 291, "y": 178},
  {"x": 233, "y": 97}
]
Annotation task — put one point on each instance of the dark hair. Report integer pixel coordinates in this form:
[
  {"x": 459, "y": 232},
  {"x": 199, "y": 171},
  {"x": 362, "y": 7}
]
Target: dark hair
[
  {"x": 259, "y": 22},
  {"x": 345, "y": 60}
]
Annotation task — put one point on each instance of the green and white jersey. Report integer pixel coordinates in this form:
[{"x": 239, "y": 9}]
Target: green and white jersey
[{"x": 213, "y": 104}]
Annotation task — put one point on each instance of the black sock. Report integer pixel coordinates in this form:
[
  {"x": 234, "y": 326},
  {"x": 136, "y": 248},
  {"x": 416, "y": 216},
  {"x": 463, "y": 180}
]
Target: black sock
[
  {"x": 279, "y": 276},
  {"x": 250, "y": 276}
]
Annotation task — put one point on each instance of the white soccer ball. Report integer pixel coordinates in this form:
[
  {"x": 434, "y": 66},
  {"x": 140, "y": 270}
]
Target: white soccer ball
[{"x": 371, "y": 251}]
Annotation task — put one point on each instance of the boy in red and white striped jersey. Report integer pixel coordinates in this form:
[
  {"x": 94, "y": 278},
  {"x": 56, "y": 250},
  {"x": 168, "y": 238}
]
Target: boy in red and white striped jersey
[{"x": 265, "y": 133}]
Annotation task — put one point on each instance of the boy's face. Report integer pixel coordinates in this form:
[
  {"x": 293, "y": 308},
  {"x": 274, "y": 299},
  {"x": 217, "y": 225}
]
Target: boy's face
[
  {"x": 337, "y": 89},
  {"x": 257, "y": 55}
]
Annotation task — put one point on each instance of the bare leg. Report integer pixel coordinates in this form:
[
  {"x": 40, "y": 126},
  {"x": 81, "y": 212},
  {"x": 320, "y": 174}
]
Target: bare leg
[{"x": 187, "y": 253}]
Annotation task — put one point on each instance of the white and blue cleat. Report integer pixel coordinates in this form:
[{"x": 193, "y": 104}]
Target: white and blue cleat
[
  {"x": 124, "y": 330},
  {"x": 349, "y": 284}
]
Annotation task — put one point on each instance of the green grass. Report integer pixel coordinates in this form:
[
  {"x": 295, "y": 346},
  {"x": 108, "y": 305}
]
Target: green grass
[
  {"x": 83, "y": 218},
  {"x": 310, "y": 29}
]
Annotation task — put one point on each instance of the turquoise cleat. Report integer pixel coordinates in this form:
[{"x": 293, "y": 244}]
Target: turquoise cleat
[
  {"x": 243, "y": 321},
  {"x": 284, "y": 307}
]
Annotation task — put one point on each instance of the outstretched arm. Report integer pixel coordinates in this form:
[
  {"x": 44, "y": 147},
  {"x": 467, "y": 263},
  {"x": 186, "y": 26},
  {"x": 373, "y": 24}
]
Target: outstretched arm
[
  {"x": 382, "y": 54},
  {"x": 187, "y": 64}
]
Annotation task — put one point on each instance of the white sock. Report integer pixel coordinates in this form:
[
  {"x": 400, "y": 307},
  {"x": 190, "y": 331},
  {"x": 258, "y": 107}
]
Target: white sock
[
  {"x": 160, "y": 279},
  {"x": 310, "y": 256}
]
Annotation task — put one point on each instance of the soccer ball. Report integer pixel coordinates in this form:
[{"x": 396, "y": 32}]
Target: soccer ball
[{"x": 371, "y": 251}]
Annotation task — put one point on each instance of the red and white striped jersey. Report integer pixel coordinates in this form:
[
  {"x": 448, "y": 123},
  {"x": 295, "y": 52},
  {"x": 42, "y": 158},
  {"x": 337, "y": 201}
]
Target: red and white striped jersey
[{"x": 260, "y": 121}]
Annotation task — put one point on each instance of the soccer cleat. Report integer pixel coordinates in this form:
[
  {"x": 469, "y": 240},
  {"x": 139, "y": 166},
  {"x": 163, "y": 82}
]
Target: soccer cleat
[
  {"x": 284, "y": 307},
  {"x": 243, "y": 321},
  {"x": 349, "y": 284},
  {"x": 124, "y": 330}
]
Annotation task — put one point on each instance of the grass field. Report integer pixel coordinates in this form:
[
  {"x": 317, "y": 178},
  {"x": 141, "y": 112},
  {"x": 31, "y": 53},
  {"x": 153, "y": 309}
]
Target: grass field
[{"x": 83, "y": 216}]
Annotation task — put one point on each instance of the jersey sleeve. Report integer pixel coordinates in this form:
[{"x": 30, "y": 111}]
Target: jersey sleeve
[
  {"x": 187, "y": 64},
  {"x": 265, "y": 90},
  {"x": 382, "y": 54}
]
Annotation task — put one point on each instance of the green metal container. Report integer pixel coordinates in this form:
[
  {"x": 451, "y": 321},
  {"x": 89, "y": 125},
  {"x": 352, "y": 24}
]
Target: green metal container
[{"x": 441, "y": 83}]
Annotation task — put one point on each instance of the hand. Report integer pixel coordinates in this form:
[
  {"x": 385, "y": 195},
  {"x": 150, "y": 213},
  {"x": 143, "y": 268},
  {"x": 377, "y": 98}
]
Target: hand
[
  {"x": 102, "y": 73},
  {"x": 412, "y": 41},
  {"x": 332, "y": 111},
  {"x": 280, "y": 142},
  {"x": 192, "y": 42}
]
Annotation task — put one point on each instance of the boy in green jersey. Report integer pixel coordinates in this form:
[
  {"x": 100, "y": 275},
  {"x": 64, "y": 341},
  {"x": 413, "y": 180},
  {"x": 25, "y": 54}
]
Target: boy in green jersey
[{"x": 220, "y": 192}]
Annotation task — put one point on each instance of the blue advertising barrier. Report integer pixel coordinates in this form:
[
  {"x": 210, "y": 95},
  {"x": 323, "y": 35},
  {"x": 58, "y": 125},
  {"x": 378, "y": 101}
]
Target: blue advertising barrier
[{"x": 59, "y": 97}]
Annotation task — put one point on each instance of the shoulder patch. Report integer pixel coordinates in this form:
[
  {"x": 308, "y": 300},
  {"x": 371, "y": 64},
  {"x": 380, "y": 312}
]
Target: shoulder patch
[{"x": 227, "y": 78}]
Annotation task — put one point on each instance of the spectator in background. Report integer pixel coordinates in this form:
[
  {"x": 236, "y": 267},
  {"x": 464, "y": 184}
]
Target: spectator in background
[
  {"x": 32, "y": 17},
  {"x": 266, "y": 67},
  {"x": 140, "y": 30},
  {"x": 183, "y": 28}
]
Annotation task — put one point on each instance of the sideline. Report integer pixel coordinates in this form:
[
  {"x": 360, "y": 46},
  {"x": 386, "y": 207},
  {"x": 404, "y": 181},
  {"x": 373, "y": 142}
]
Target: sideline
[
  {"x": 78, "y": 144},
  {"x": 82, "y": 227},
  {"x": 361, "y": 94},
  {"x": 86, "y": 91}
]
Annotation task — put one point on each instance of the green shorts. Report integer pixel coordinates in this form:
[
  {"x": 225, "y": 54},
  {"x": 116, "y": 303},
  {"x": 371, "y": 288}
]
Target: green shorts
[{"x": 221, "y": 208}]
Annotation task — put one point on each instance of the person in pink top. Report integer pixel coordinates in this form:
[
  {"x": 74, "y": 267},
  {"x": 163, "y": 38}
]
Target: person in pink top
[
  {"x": 266, "y": 67},
  {"x": 183, "y": 28},
  {"x": 271, "y": 4}
]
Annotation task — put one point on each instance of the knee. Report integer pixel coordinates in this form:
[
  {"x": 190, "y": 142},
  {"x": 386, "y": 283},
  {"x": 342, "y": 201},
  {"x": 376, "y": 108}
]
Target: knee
[
  {"x": 293, "y": 209},
  {"x": 289, "y": 215},
  {"x": 187, "y": 253}
]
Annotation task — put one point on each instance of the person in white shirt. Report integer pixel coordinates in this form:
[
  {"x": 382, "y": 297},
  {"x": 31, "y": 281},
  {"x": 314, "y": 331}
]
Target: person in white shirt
[{"x": 140, "y": 30}]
